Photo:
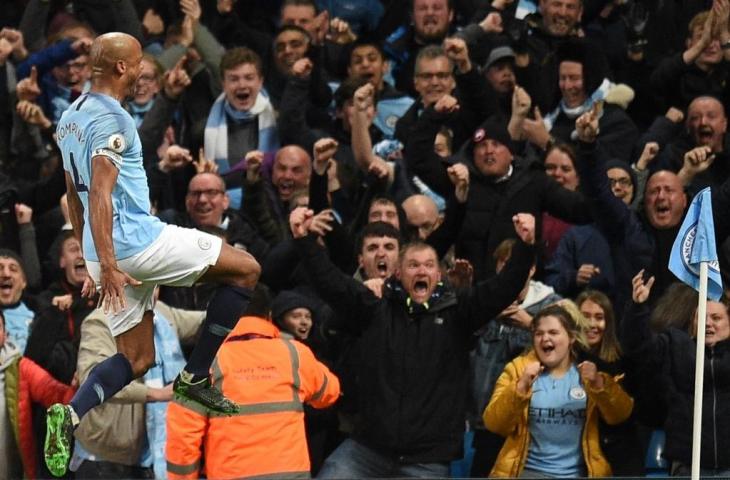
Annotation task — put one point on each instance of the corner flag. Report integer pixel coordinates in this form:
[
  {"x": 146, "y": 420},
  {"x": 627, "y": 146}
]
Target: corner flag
[{"x": 695, "y": 243}]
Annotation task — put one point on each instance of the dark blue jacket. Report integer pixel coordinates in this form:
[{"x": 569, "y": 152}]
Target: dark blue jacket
[{"x": 580, "y": 245}]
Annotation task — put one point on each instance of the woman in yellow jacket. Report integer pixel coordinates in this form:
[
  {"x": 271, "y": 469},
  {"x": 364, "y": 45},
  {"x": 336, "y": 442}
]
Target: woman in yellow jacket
[{"x": 548, "y": 406}]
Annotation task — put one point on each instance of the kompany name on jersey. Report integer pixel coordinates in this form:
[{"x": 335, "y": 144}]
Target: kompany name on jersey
[{"x": 71, "y": 129}]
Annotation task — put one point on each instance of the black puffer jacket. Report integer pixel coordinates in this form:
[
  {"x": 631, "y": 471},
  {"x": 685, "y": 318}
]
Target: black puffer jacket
[
  {"x": 412, "y": 378},
  {"x": 671, "y": 354}
]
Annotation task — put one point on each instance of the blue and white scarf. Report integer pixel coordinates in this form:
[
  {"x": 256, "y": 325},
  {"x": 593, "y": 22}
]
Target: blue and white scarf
[
  {"x": 598, "y": 95},
  {"x": 169, "y": 361},
  {"x": 139, "y": 111},
  {"x": 216, "y": 129}
]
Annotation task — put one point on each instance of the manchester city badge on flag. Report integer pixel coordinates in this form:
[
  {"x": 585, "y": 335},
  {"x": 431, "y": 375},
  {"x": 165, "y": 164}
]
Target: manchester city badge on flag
[{"x": 695, "y": 243}]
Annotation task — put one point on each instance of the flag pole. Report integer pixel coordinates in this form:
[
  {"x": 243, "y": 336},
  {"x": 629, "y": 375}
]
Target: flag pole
[{"x": 699, "y": 372}]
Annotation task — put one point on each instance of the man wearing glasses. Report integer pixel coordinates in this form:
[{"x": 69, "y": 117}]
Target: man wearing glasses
[{"x": 207, "y": 208}]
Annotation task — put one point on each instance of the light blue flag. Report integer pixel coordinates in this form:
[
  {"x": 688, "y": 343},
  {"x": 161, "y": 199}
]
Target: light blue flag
[{"x": 695, "y": 243}]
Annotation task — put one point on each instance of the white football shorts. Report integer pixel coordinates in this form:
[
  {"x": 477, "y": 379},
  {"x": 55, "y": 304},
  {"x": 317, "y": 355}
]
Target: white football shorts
[{"x": 178, "y": 257}]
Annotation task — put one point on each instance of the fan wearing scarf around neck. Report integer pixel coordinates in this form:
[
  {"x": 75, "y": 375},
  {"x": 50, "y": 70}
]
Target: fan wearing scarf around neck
[
  {"x": 583, "y": 82},
  {"x": 147, "y": 88},
  {"x": 242, "y": 118}
]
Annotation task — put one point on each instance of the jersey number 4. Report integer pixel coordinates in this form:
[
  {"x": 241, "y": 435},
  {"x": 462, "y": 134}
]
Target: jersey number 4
[{"x": 80, "y": 187}]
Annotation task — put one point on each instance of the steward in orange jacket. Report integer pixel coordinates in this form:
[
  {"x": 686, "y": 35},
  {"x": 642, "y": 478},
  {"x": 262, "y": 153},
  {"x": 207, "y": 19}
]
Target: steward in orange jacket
[{"x": 270, "y": 378}]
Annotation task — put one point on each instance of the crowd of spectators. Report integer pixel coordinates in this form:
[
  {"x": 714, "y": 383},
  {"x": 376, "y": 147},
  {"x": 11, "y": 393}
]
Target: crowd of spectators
[{"x": 463, "y": 208}]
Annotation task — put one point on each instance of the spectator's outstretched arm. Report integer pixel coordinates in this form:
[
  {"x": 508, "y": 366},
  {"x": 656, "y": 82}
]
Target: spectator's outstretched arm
[
  {"x": 210, "y": 49},
  {"x": 28, "y": 248},
  {"x": 477, "y": 98},
  {"x": 34, "y": 15},
  {"x": 127, "y": 20},
  {"x": 612, "y": 215},
  {"x": 662, "y": 131},
  {"x": 255, "y": 203},
  {"x": 323, "y": 153},
  {"x": 638, "y": 342},
  {"x": 292, "y": 120},
  {"x": 53, "y": 56},
  {"x": 342, "y": 292},
  {"x": 30, "y": 127},
  {"x": 641, "y": 169},
  {"x": 489, "y": 297},
  {"x": 43, "y": 388},
  {"x": 155, "y": 123},
  {"x": 362, "y": 144},
  {"x": 420, "y": 156},
  {"x": 446, "y": 234}
]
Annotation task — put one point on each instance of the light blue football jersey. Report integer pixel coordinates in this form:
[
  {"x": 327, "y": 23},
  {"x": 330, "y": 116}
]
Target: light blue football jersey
[{"x": 96, "y": 124}]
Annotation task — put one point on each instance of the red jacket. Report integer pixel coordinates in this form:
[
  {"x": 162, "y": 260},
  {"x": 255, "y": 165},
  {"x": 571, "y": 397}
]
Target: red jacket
[
  {"x": 270, "y": 378},
  {"x": 25, "y": 383}
]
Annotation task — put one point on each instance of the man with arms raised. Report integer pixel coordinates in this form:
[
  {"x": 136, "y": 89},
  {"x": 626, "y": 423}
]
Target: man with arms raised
[
  {"x": 415, "y": 343},
  {"x": 128, "y": 251}
]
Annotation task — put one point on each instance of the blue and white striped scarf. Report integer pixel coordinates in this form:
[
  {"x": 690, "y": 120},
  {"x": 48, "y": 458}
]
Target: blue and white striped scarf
[
  {"x": 572, "y": 113},
  {"x": 216, "y": 129}
]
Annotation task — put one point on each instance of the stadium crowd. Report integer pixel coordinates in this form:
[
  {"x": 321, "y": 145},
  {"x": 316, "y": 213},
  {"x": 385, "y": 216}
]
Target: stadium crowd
[{"x": 463, "y": 211}]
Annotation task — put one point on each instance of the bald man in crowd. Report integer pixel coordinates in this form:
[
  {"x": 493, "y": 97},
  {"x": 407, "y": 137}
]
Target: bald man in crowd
[{"x": 423, "y": 214}]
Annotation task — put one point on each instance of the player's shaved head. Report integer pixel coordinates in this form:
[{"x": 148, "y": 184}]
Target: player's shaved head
[
  {"x": 109, "y": 48},
  {"x": 115, "y": 64}
]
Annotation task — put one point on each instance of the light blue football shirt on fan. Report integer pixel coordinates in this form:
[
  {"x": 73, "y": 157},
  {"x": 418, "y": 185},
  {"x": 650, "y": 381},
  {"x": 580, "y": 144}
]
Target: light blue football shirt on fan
[
  {"x": 96, "y": 124},
  {"x": 557, "y": 415}
]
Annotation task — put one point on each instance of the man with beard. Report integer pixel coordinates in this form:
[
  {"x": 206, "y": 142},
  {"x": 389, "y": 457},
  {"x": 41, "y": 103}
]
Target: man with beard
[
  {"x": 431, "y": 23},
  {"x": 18, "y": 316},
  {"x": 415, "y": 339},
  {"x": 129, "y": 252},
  {"x": 703, "y": 144}
]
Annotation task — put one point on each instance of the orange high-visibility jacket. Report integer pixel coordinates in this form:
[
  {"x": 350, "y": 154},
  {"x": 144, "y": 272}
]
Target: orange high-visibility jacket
[{"x": 270, "y": 378}]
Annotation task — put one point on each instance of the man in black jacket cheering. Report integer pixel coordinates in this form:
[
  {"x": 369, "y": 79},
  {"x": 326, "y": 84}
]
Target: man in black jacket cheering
[{"x": 415, "y": 335}]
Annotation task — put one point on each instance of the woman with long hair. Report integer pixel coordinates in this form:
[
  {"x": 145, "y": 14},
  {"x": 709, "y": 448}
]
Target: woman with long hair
[
  {"x": 548, "y": 405},
  {"x": 621, "y": 443},
  {"x": 670, "y": 355}
]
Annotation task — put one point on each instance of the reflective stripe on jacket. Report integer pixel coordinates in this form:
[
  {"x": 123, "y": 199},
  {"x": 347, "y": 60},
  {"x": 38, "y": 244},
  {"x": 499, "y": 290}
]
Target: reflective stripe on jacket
[{"x": 270, "y": 378}]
